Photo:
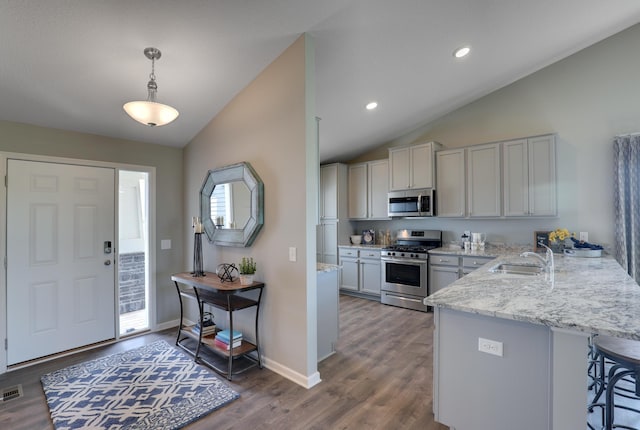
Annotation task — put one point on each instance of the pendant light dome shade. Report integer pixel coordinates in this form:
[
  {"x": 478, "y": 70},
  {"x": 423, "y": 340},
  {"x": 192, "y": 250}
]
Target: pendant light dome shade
[{"x": 149, "y": 112}]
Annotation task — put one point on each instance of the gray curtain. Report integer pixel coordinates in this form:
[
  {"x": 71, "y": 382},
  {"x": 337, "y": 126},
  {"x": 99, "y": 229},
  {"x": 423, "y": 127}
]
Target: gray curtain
[{"x": 626, "y": 155}]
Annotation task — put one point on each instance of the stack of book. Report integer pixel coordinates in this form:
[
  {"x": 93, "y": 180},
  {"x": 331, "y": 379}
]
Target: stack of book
[
  {"x": 224, "y": 340},
  {"x": 209, "y": 328}
]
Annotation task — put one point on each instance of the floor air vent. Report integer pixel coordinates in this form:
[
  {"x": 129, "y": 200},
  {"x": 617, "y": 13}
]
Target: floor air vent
[{"x": 11, "y": 393}]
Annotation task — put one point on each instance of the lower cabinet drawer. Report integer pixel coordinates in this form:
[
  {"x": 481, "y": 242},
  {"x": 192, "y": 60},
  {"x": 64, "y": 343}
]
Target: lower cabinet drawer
[
  {"x": 443, "y": 260},
  {"x": 475, "y": 262}
]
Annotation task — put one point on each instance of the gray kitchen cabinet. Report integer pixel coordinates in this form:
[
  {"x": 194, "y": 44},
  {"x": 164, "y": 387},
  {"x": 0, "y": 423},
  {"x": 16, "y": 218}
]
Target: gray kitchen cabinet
[
  {"x": 330, "y": 177},
  {"x": 471, "y": 263},
  {"x": 361, "y": 271},
  {"x": 358, "y": 191},
  {"x": 412, "y": 167},
  {"x": 333, "y": 226},
  {"x": 370, "y": 271},
  {"x": 450, "y": 183},
  {"x": 484, "y": 180},
  {"x": 378, "y": 181},
  {"x": 327, "y": 310},
  {"x": 368, "y": 186},
  {"x": 529, "y": 177},
  {"x": 350, "y": 270},
  {"x": 444, "y": 269},
  {"x": 441, "y": 276},
  {"x": 327, "y": 242}
]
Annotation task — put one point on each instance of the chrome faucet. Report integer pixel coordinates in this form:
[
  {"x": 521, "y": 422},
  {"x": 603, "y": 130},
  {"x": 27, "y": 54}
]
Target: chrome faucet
[
  {"x": 538, "y": 256},
  {"x": 549, "y": 264}
]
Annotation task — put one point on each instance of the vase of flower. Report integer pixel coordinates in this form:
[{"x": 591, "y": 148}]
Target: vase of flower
[
  {"x": 557, "y": 240},
  {"x": 246, "y": 268}
]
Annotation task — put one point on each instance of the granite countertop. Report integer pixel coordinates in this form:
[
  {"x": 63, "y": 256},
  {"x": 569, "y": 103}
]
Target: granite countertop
[
  {"x": 489, "y": 251},
  {"x": 324, "y": 267},
  {"x": 591, "y": 295},
  {"x": 362, "y": 246}
]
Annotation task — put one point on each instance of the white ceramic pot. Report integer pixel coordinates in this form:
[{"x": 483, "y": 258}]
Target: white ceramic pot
[{"x": 246, "y": 279}]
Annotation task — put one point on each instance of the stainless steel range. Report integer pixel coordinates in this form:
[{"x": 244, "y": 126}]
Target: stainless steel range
[{"x": 404, "y": 268}]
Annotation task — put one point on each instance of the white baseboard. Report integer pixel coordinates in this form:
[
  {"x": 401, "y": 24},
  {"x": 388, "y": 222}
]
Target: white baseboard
[
  {"x": 171, "y": 324},
  {"x": 292, "y": 375}
]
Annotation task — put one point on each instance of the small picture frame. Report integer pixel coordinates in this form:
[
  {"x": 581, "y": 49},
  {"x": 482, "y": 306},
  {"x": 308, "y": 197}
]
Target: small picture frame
[
  {"x": 540, "y": 236},
  {"x": 368, "y": 237}
]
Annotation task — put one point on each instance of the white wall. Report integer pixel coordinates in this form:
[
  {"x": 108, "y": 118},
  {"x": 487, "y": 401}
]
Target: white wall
[
  {"x": 266, "y": 125},
  {"x": 586, "y": 99}
]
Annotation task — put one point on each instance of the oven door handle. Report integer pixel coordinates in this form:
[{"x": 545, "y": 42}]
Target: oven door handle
[
  {"x": 406, "y": 299},
  {"x": 403, "y": 260}
]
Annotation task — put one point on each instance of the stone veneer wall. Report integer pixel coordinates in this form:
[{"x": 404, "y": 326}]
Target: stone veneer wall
[{"x": 131, "y": 282}]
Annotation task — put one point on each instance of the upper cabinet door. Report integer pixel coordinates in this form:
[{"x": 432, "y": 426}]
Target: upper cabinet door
[
  {"x": 368, "y": 188},
  {"x": 542, "y": 176},
  {"x": 450, "y": 183},
  {"x": 515, "y": 158},
  {"x": 399, "y": 173},
  {"x": 358, "y": 190},
  {"x": 530, "y": 177},
  {"x": 483, "y": 182},
  {"x": 329, "y": 191},
  {"x": 412, "y": 167},
  {"x": 378, "y": 189},
  {"x": 422, "y": 166}
]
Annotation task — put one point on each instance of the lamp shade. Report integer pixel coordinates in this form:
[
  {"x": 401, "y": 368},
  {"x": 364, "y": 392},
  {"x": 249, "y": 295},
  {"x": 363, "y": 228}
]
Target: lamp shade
[{"x": 151, "y": 113}]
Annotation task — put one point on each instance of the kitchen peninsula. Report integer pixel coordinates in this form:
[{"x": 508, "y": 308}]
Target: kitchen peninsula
[{"x": 531, "y": 372}]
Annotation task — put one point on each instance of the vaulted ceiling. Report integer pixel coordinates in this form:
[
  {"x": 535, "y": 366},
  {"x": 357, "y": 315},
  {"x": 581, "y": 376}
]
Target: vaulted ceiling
[{"x": 72, "y": 64}]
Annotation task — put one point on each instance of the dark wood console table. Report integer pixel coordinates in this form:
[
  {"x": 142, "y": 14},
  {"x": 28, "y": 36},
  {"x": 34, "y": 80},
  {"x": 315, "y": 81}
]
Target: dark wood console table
[{"x": 210, "y": 290}]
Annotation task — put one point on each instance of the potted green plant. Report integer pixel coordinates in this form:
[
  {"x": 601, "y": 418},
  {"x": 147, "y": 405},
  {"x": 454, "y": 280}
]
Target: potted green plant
[{"x": 246, "y": 268}]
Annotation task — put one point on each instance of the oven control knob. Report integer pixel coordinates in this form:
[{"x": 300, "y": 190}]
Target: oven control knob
[{"x": 402, "y": 255}]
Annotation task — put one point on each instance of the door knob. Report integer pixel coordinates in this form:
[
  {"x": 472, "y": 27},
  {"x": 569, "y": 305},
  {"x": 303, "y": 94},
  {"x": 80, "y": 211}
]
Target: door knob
[{"x": 107, "y": 262}]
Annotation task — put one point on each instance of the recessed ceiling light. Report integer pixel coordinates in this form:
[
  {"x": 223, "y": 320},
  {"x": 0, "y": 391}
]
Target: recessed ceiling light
[
  {"x": 371, "y": 105},
  {"x": 462, "y": 52}
]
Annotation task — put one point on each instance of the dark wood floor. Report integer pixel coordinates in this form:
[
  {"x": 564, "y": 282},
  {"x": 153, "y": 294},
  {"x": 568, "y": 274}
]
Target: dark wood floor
[{"x": 380, "y": 378}]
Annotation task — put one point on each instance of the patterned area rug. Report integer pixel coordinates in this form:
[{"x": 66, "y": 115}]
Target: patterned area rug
[{"x": 151, "y": 387}]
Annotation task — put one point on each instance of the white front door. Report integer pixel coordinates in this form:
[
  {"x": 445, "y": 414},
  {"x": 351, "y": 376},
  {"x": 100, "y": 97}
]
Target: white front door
[{"x": 60, "y": 277}]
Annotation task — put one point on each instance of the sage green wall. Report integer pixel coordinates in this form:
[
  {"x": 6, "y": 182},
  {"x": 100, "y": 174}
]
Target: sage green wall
[
  {"x": 29, "y": 139},
  {"x": 586, "y": 99},
  {"x": 265, "y": 125}
]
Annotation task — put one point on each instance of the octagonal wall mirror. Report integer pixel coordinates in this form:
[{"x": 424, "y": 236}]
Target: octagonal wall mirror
[{"x": 232, "y": 205}]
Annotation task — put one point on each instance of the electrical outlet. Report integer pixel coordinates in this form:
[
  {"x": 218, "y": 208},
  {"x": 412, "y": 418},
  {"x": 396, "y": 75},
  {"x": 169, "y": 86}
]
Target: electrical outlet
[
  {"x": 490, "y": 346},
  {"x": 584, "y": 236}
]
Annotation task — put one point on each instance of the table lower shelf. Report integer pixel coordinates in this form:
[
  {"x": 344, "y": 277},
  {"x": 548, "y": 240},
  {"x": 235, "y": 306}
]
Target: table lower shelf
[
  {"x": 219, "y": 359},
  {"x": 209, "y": 341}
]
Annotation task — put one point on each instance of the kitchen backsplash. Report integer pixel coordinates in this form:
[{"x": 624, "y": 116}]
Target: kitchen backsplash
[{"x": 498, "y": 231}]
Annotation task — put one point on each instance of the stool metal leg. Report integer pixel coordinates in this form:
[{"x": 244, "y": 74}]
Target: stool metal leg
[{"x": 614, "y": 376}]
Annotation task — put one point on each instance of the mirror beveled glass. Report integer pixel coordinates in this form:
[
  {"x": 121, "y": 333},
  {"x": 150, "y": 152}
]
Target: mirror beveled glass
[{"x": 232, "y": 205}]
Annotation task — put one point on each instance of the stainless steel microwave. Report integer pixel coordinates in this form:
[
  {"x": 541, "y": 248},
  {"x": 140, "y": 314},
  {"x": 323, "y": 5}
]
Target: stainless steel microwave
[{"x": 412, "y": 203}]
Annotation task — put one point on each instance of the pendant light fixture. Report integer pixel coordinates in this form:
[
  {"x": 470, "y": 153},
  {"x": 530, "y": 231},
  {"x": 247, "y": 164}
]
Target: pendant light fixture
[{"x": 150, "y": 112}]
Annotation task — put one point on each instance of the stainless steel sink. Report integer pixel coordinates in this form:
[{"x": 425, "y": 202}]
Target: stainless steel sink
[{"x": 517, "y": 269}]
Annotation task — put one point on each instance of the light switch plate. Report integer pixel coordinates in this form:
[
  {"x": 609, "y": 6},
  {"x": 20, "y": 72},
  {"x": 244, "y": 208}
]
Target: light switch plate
[
  {"x": 292, "y": 253},
  {"x": 165, "y": 244}
]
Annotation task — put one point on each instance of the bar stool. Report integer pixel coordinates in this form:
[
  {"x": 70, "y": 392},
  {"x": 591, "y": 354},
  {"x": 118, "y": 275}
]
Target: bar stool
[{"x": 624, "y": 355}]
